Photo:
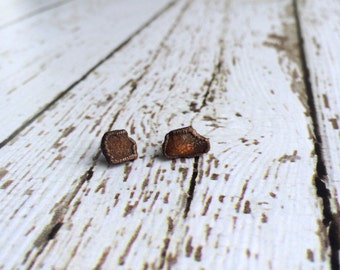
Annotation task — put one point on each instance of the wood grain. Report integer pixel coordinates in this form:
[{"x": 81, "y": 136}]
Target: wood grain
[
  {"x": 45, "y": 56},
  {"x": 250, "y": 203}
]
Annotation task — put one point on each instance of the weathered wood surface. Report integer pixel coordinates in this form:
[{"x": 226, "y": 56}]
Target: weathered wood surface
[
  {"x": 250, "y": 203},
  {"x": 14, "y": 11},
  {"x": 320, "y": 22},
  {"x": 46, "y": 55}
]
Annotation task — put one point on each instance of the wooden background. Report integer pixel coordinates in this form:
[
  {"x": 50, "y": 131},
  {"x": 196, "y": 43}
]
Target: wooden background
[{"x": 259, "y": 78}]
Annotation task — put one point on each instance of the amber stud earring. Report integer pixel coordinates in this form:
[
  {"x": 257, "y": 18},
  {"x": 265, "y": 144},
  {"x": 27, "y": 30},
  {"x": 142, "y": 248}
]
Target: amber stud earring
[
  {"x": 118, "y": 147},
  {"x": 184, "y": 142}
]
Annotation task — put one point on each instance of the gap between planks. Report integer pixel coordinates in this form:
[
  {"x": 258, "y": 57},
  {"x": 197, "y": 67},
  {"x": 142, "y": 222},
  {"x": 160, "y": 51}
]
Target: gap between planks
[{"x": 330, "y": 215}]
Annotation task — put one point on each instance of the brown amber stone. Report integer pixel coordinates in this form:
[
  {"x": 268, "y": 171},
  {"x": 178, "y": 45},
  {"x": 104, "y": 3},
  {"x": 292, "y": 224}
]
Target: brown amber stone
[
  {"x": 117, "y": 147},
  {"x": 185, "y": 142}
]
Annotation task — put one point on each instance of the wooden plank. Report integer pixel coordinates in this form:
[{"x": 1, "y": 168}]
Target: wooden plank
[
  {"x": 35, "y": 195},
  {"x": 320, "y": 24},
  {"x": 14, "y": 11},
  {"x": 248, "y": 204},
  {"x": 46, "y": 55}
]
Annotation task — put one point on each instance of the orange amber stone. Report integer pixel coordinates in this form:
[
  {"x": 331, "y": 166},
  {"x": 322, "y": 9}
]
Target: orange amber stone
[{"x": 185, "y": 142}]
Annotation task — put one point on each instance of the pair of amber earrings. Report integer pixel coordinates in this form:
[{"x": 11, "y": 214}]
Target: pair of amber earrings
[{"x": 118, "y": 147}]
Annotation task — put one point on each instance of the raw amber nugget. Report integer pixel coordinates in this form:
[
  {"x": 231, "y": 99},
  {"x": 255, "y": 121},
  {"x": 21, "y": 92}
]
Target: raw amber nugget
[
  {"x": 185, "y": 142},
  {"x": 118, "y": 147}
]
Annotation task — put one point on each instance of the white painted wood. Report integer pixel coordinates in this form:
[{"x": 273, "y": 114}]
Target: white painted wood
[
  {"x": 237, "y": 79},
  {"x": 37, "y": 190},
  {"x": 320, "y": 22},
  {"x": 14, "y": 11},
  {"x": 44, "y": 55}
]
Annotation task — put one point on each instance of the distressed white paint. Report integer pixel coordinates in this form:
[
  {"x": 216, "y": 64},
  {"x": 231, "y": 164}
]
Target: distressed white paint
[
  {"x": 234, "y": 80},
  {"x": 320, "y": 21},
  {"x": 44, "y": 55}
]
